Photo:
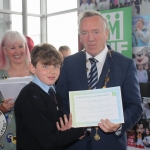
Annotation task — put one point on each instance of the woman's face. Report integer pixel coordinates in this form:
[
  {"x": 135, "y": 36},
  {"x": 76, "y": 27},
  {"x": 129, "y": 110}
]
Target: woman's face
[
  {"x": 139, "y": 25},
  {"x": 15, "y": 52}
]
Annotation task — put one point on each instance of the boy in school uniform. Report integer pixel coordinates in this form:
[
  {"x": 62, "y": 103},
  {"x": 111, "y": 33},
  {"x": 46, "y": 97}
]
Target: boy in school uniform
[{"x": 40, "y": 122}]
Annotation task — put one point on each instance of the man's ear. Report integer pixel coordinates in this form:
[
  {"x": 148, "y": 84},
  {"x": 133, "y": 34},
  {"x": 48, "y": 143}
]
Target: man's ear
[
  {"x": 32, "y": 68},
  {"x": 80, "y": 40},
  {"x": 107, "y": 34}
]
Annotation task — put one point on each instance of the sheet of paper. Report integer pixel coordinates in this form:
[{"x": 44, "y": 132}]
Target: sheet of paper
[
  {"x": 11, "y": 87},
  {"x": 90, "y": 106}
]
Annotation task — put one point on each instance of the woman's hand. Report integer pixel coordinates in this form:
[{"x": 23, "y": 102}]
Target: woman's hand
[
  {"x": 6, "y": 105},
  {"x": 67, "y": 124}
]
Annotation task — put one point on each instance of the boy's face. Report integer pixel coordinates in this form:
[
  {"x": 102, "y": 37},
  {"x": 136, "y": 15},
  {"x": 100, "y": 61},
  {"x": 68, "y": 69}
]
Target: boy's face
[
  {"x": 140, "y": 67},
  {"x": 46, "y": 73}
]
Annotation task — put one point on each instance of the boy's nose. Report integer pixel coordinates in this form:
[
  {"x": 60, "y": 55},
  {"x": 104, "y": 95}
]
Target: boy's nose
[{"x": 51, "y": 69}]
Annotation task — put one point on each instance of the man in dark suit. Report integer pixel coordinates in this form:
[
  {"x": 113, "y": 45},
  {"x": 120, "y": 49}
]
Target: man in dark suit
[{"x": 113, "y": 69}]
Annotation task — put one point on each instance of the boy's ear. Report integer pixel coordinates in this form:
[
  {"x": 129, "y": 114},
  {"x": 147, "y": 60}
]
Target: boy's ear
[{"x": 32, "y": 68}]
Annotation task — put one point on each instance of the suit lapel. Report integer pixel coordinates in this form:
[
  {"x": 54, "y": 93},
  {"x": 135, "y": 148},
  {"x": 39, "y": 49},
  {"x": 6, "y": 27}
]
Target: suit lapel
[
  {"x": 82, "y": 74},
  {"x": 105, "y": 69}
]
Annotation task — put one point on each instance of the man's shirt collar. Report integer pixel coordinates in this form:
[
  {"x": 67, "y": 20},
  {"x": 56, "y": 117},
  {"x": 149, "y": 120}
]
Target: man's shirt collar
[{"x": 100, "y": 57}]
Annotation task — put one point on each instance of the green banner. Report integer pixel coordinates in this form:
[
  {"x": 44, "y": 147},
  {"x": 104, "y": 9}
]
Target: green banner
[{"x": 120, "y": 23}]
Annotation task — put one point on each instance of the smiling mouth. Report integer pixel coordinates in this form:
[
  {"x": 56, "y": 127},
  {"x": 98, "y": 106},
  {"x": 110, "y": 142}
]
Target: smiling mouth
[{"x": 17, "y": 56}]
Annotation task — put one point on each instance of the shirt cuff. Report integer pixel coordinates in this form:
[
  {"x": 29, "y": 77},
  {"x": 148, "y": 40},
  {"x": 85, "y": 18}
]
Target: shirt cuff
[{"x": 118, "y": 132}]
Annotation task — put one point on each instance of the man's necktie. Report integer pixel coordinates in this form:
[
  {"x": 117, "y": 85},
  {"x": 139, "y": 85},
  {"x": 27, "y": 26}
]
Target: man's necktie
[{"x": 93, "y": 74}]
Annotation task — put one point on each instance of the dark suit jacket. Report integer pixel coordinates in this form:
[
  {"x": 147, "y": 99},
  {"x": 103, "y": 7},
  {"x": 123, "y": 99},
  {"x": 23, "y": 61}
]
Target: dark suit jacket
[
  {"x": 122, "y": 73},
  {"x": 36, "y": 117}
]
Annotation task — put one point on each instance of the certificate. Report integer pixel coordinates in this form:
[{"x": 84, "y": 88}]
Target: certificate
[
  {"x": 11, "y": 87},
  {"x": 88, "y": 107}
]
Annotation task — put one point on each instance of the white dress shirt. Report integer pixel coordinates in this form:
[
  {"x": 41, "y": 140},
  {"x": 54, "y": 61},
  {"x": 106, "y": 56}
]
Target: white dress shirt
[{"x": 101, "y": 57}]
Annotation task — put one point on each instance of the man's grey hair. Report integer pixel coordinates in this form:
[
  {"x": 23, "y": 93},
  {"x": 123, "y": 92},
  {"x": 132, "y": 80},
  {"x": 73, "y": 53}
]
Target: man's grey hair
[{"x": 90, "y": 13}]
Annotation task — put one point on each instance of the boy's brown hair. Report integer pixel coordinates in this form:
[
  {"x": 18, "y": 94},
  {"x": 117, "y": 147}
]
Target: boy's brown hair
[{"x": 45, "y": 53}]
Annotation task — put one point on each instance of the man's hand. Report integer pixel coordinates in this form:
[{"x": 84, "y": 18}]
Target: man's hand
[
  {"x": 67, "y": 124},
  {"x": 108, "y": 126},
  {"x": 6, "y": 105}
]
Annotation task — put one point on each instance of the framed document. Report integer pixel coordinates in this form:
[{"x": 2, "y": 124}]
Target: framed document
[
  {"x": 88, "y": 107},
  {"x": 3, "y": 124}
]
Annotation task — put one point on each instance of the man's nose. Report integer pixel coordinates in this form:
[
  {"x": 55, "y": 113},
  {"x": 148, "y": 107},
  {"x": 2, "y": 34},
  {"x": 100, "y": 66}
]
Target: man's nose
[{"x": 91, "y": 38}]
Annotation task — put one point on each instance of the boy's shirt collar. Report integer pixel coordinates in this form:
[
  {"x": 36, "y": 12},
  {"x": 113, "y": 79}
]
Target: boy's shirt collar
[{"x": 42, "y": 85}]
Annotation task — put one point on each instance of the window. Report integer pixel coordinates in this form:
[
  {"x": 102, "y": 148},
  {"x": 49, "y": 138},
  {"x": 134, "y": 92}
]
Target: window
[
  {"x": 60, "y": 5},
  {"x": 16, "y": 22},
  {"x": 8, "y": 22},
  {"x": 34, "y": 29},
  {"x": 63, "y": 30},
  {"x": 4, "y": 23},
  {"x": 59, "y": 26},
  {"x": 16, "y": 5},
  {"x": 33, "y": 6}
]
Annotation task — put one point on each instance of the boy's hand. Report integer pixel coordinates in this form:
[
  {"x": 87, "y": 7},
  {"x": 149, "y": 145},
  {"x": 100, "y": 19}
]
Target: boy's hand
[
  {"x": 64, "y": 126},
  {"x": 81, "y": 137},
  {"x": 6, "y": 105}
]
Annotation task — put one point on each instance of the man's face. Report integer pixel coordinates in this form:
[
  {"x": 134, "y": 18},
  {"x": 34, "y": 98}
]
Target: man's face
[{"x": 93, "y": 34}]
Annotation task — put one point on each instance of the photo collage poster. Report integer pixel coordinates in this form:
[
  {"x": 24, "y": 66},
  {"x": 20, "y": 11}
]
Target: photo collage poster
[{"x": 137, "y": 47}]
